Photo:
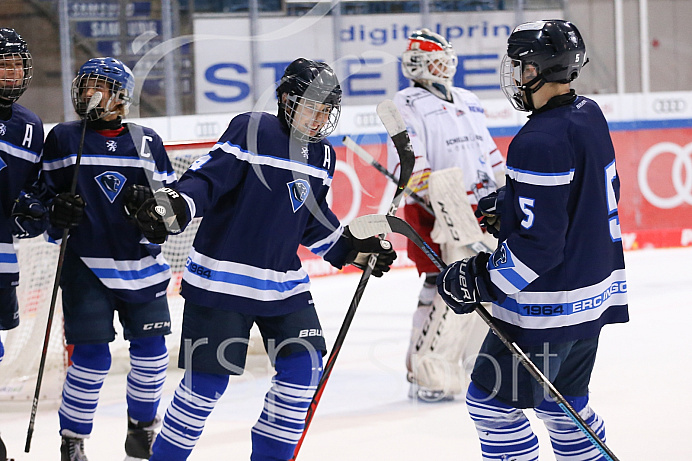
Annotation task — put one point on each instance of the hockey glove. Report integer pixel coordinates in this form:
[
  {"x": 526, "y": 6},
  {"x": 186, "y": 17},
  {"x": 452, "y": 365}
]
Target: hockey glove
[
  {"x": 362, "y": 249},
  {"x": 490, "y": 209},
  {"x": 133, "y": 198},
  {"x": 164, "y": 214},
  {"x": 66, "y": 210},
  {"x": 29, "y": 216},
  {"x": 458, "y": 284}
]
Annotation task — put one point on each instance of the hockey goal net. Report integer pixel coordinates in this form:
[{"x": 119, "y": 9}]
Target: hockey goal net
[{"x": 37, "y": 263}]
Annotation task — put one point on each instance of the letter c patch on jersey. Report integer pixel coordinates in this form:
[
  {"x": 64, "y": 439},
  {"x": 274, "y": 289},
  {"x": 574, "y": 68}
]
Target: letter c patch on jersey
[
  {"x": 111, "y": 183},
  {"x": 298, "y": 191}
]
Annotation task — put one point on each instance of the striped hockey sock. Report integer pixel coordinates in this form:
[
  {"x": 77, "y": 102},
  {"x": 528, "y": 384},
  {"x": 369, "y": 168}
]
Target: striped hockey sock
[
  {"x": 183, "y": 423},
  {"x": 80, "y": 393},
  {"x": 280, "y": 426},
  {"x": 504, "y": 431},
  {"x": 569, "y": 442},
  {"x": 148, "y": 362}
]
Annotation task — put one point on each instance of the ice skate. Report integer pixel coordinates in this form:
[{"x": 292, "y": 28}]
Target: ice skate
[
  {"x": 140, "y": 438},
  {"x": 423, "y": 394},
  {"x": 72, "y": 447}
]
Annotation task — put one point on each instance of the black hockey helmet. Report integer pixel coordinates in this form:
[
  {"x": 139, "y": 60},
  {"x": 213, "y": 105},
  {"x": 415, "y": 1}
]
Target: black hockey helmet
[
  {"x": 309, "y": 82},
  {"x": 13, "y": 50},
  {"x": 554, "y": 47}
]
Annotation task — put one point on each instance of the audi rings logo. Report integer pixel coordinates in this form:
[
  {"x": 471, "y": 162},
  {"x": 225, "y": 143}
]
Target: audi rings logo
[
  {"x": 366, "y": 119},
  {"x": 669, "y": 106},
  {"x": 681, "y": 175},
  {"x": 207, "y": 129}
]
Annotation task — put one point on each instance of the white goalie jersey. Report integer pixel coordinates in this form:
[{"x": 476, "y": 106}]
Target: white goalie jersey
[{"x": 445, "y": 135}]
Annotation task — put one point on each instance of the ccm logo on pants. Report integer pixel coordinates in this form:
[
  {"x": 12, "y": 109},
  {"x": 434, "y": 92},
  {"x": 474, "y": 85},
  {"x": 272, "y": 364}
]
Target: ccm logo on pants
[{"x": 155, "y": 326}]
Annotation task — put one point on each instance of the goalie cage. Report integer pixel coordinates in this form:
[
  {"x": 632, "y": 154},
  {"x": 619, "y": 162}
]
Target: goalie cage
[{"x": 37, "y": 263}]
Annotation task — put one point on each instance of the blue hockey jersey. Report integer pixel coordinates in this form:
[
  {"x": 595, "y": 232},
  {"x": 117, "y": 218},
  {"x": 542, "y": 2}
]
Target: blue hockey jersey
[
  {"x": 560, "y": 267},
  {"x": 262, "y": 194},
  {"x": 21, "y": 142},
  {"x": 106, "y": 242}
]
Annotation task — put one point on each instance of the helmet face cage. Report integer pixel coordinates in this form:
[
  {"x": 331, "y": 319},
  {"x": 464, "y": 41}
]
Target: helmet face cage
[
  {"x": 429, "y": 57},
  {"x": 110, "y": 77},
  {"x": 311, "y": 120},
  {"x": 16, "y": 70},
  {"x": 511, "y": 71}
]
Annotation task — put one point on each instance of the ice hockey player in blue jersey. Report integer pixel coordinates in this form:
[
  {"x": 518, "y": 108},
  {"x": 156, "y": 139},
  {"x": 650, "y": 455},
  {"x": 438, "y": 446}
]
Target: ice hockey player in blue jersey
[
  {"x": 262, "y": 191},
  {"x": 558, "y": 273},
  {"x": 21, "y": 142},
  {"x": 109, "y": 266}
]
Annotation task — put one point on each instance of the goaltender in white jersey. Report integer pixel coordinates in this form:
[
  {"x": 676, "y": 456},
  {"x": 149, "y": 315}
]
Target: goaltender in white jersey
[{"x": 454, "y": 152}]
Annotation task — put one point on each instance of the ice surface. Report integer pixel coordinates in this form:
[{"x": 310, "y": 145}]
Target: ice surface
[{"x": 640, "y": 385}]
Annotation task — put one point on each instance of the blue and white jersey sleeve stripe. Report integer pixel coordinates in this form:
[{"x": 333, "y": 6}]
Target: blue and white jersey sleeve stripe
[
  {"x": 507, "y": 271},
  {"x": 540, "y": 179},
  {"x": 130, "y": 275},
  {"x": 8, "y": 259}
]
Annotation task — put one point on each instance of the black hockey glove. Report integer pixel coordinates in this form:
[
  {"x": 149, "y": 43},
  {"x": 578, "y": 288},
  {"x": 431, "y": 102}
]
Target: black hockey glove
[
  {"x": 458, "y": 284},
  {"x": 66, "y": 210},
  {"x": 133, "y": 198},
  {"x": 164, "y": 214},
  {"x": 362, "y": 249},
  {"x": 490, "y": 208},
  {"x": 29, "y": 216}
]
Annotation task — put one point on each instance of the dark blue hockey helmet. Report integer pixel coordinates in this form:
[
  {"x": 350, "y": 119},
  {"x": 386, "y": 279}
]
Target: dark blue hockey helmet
[
  {"x": 554, "y": 48},
  {"x": 309, "y": 90},
  {"x": 92, "y": 76},
  {"x": 16, "y": 67}
]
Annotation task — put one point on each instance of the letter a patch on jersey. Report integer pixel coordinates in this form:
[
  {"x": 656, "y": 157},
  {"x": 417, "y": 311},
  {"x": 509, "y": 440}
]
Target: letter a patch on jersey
[
  {"x": 298, "y": 190},
  {"x": 111, "y": 183}
]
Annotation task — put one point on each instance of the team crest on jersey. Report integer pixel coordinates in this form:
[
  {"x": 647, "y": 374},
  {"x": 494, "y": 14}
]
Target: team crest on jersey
[
  {"x": 499, "y": 257},
  {"x": 111, "y": 145},
  {"x": 111, "y": 183},
  {"x": 3, "y": 129},
  {"x": 298, "y": 190},
  {"x": 2, "y": 164}
]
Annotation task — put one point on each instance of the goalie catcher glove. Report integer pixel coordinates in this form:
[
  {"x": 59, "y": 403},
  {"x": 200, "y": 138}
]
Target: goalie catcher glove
[
  {"x": 66, "y": 210},
  {"x": 133, "y": 198},
  {"x": 164, "y": 214},
  {"x": 458, "y": 284},
  {"x": 29, "y": 217},
  {"x": 490, "y": 209},
  {"x": 362, "y": 249}
]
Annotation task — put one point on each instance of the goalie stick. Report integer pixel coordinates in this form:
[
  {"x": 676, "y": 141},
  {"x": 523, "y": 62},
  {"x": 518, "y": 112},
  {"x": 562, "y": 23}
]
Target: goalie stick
[
  {"x": 369, "y": 225},
  {"x": 396, "y": 128},
  {"x": 93, "y": 102}
]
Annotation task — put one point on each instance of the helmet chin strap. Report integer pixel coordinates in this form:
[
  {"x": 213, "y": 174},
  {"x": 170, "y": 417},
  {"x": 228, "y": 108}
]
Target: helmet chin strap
[{"x": 528, "y": 91}]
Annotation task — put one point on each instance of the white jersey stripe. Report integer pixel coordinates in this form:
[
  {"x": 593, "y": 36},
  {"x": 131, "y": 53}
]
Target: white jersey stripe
[{"x": 540, "y": 179}]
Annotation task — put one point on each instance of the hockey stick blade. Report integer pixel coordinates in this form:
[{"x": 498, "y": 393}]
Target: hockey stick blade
[
  {"x": 368, "y": 225},
  {"x": 396, "y": 128}
]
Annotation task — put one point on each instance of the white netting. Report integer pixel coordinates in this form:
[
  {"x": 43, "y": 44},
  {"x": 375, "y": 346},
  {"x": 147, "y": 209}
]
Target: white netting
[{"x": 38, "y": 262}]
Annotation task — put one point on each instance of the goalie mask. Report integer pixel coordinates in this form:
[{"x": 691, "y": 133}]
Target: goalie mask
[
  {"x": 540, "y": 52},
  {"x": 309, "y": 97},
  {"x": 430, "y": 61},
  {"x": 16, "y": 67},
  {"x": 110, "y": 77}
]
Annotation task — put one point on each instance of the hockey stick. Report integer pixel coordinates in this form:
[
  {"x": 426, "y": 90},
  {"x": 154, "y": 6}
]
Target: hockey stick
[
  {"x": 369, "y": 225},
  {"x": 93, "y": 102},
  {"x": 391, "y": 118},
  {"x": 367, "y": 158}
]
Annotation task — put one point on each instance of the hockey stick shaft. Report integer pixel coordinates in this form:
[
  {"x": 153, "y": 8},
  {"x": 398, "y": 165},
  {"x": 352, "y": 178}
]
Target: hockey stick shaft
[
  {"x": 367, "y": 225},
  {"x": 367, "y": 158},
  {"x": 396, "y": 128},
  {"x": 93, "y": 102}
]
